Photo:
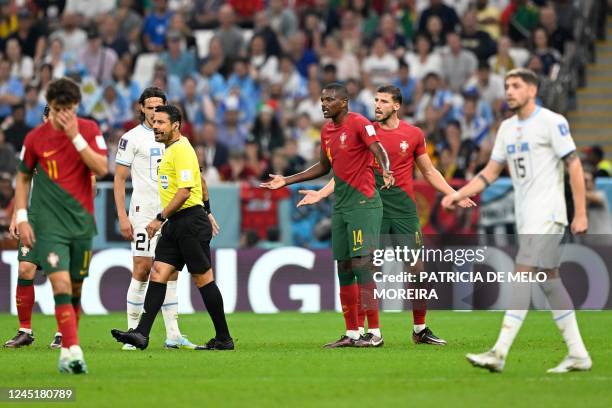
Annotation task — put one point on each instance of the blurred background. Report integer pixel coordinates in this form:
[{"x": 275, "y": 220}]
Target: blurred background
[{"x": 247, "y": 75}]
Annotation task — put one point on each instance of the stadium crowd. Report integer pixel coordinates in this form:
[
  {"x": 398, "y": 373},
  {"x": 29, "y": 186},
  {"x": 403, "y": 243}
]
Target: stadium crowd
[{"x": 247, "y": 74}]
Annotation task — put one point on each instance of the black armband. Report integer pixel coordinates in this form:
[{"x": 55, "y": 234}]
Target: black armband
[
  {"x": 484, "y": 180},
  {"x": 207, "y": 206}
]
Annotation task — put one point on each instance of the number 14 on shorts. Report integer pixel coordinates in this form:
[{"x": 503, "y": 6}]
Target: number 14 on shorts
[{"x": 357, "y": 240}]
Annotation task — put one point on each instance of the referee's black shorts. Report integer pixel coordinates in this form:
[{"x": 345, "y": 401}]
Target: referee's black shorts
[{"x": 185, "y": 239}]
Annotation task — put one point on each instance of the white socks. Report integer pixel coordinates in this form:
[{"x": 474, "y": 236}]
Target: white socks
[
  {"x": 352, "y": 334},
  {"x": 565, "y": 318},
  {"x": 361, "y": 331},
  {"x": 513, "y": 319},
  {"x": 135, "y": 302},
  {"x": 375, "y": 332},
  {"x": 170, "y": 312},
  {"x": 418, "y": 328},
  {"x": 72, "y": 352}
]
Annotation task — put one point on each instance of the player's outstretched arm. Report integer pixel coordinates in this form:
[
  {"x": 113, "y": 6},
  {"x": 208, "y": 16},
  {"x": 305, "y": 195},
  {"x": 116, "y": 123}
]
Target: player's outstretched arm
[
  {"x": 435, "y": 178},
  {"x": 125, "y": 226},
  {"x": 320, "y": 169},
  {"x": 22, "y": 193},
  {"x": 487, "y": 176},
  {"x": 580, "y": 223},
  {"x": 96, "y": 162},
  {"x": 314, "y": 196},
  {"x": 383, "y": 161}
]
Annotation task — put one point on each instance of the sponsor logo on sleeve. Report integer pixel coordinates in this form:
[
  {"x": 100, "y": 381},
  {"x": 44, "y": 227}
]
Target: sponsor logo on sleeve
[
  {"x": 370, "y": 129},
  {"x": 122, "y": 143},
  {"x": 101, "y": 142},
  {"x": 186, "y": 175},
  {"x": 163, "y": 179},
  {"x": 563, "y": 129}
]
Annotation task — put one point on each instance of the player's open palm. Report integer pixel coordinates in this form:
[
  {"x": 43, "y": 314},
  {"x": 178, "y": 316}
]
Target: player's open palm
[
  {"x": 68, "y": 122},
  {"x": 580, "y": 225},
  {"x": 126, "y": 228},
  {"x": 466, "y": 203},
  {"x": 449, "y": 201},
  {"x": 310, "y": 197},
  {"x": 276, "y": 182},
  {"x": 26, "y": 234}
]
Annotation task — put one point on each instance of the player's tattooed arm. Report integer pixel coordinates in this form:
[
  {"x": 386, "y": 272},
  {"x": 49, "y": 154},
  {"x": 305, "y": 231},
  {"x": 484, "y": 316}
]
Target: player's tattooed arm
[
  {"x": 383, "y": 161},
  {"x": 580, "y": 223},
  {"x": 320, "y": 169}
]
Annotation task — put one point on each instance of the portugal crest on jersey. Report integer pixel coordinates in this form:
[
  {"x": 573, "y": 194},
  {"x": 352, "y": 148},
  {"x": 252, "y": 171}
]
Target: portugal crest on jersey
[{"x": 404, "y": 146}]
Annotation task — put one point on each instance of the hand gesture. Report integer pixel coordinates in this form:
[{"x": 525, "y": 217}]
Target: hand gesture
[
  {"x": 153, "y": 227},
  {"x": 466, "y": 203},
  {"x": 450, "y": 201},
  {"x": 310, "y": 197},
  {"x": 67, "y": 119},
  {"x": 274, "y": 184},
  {"x": 215, "y": 227},
  {"x": 389, "y": 179},
  {"x": 26, "y": 234},
  {"x": 126, "y": 228},
  {"x": 580, "y": 225}
]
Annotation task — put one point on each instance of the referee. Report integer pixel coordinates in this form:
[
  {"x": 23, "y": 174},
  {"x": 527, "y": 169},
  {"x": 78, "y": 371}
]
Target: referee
[{"x": 185, "y": 235}]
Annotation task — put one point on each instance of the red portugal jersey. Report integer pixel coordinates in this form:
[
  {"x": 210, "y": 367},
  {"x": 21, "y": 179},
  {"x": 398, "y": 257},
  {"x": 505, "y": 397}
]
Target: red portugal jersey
[
  {"x": 403, "y": 145},
  {"x": 62, "y": 196},
  {"x": 347, "y": 148}
]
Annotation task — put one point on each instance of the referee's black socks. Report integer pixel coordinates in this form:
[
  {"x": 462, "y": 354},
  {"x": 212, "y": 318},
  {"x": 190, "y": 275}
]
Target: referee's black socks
[
  {"x": 156, "y": 292},
  {"x": 211, "y": 295}
]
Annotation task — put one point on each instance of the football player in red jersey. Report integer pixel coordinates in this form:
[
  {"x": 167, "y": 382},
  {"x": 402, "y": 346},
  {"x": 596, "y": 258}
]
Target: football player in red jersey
[{"x": 405, "y": 145}]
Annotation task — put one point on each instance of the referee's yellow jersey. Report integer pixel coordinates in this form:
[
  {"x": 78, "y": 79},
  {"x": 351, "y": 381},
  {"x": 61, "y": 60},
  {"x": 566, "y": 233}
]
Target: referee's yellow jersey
[{"x": 179, "y": 168}]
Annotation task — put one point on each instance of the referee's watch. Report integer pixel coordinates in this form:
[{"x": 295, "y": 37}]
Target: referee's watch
[{"x": 159, "y": 217}]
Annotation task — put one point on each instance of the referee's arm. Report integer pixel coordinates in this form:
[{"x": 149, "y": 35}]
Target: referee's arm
[{"x": 205, "y": 199}]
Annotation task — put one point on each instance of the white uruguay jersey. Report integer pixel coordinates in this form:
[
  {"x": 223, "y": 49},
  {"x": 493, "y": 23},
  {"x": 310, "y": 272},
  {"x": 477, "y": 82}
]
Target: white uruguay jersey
[
  {"x": 138, "y": 150},
  {"x": 534, "y": 149}
]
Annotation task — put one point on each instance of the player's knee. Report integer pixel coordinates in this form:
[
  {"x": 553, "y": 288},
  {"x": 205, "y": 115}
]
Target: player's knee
[
  {"x": 345, "y": 273},
  {"x": 27, "y": 271},
  {"x": 76, "y": 289},
  {"x": 203, "y": 279},
  {"x": 62, "y": 286},
  {"x": 142, "y": 268}
]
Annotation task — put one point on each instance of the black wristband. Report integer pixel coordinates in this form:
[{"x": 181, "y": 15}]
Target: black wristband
[
  {"x": 207, "y": 206},
  {"x": 484, "y": 180},
  {"x": 159, "y": 217}
]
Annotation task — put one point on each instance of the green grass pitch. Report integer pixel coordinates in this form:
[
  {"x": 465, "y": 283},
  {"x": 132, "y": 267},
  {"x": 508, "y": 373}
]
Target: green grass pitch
[{"x": 279, "y": 362}]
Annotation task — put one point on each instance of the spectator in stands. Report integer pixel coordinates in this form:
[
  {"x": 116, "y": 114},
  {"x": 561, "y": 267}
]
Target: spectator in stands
[
  {"x": 407, "y": 85},
  {"x": 347, "y": 65},
  {"x": 210, "y": 173},
  {"x": 267, "y": 132},
  {"x": 56, "y": 57},
  {"x": 263, "y": 65},
  {"x": 423, "y": 61},
  {"x": 282, "y": 19},
  {"x": 436, "y": 97},
  {"x": 22, "y": 66},
  {"x": 236, "y": 168},
  {"x": 545, "y": 84},
  {"x": 231, "y": 131},
  {"x": 550, "y": 57},
  {"x": 254, "y": 159},
  {"x": 15, "y": 127},
  {"x": 380, "y": 65},
  {"x": 558, "y": 36},
  {"x": 403, "y": 12},
  {"x": 34, "y": 108},
  {"x": 436, "y": 32},
  {"x": 518, "y": 19},
  {"x": 43, "y": 77},
  {"x": 89, "y": 9},
  {"x": 473, "y": 126},
  {"x": 447, "y": 164},
  {"x": 228, "y": 33},
  {"x": 216, "y": 152},
  {"x": 293, "y": 84},
  {"x": 177, "y": 23},
  {"x": 445, "y": 13},
  {"x": 262, "y": 28},
  {"x": 111, "y": 36},
  {"x": 353, "y": 87},
  {"x": 595, "y": 160},
  {"x": 350, "y": 32},
  {"x": 312, "y": 104},
  {"x": 8, "y": 20},
  {"x": 110, "y": 109},
  {"x": 488, "y": 85},
  {"x": 295, "y": 162},
  {"x": 31, "y": 36},
  {"x": 245, "y": 11},
  {"x": 488, "y": 18},
  {"x": 194, "y": 103},
  {"x": 305, "y": 135},
  {"x": 129, "y": 23},
  {"x": 127, "y": 88},
  {"x": 278, "y": 164},
  {"x": 171, "y": 83},
  {"x": 205, "y": 14},
  {"x": 502, "y": 62},
  {"x": 180, "y": 62},
  {"x": 97, "y": 58},
  {"x": 249, "y": 90},
  {"x": 8, "y": 158},
  {"x": 72, "y": 36},
  {"x": 210, "y": 82},
  {"x": 458, "y": 65},
  {"x": 329, "y": 74},
  {"x": 313, "y": 32},
  {"x": 216, "y": 56},
  {"x": 475, "y": 40},
  {"x": 155, "y": 27},
  {"x": 598, "y": 211},
  {"x": 302, "y": 57},
  {"x": 11, "y": 89},
  {"x": 7, "y": 201},
  {"x": 452, "y": 137},
  {"x": 387, "y": 30}
]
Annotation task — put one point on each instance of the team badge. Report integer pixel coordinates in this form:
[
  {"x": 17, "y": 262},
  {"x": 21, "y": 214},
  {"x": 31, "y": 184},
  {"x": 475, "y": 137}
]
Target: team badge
[
  {"x": 404, "y": 146},
  {"x": 164, "y": 181},
  {"x": 24, "y": 250},
  {"x": 53, "y": 259},
  {"x": 343, "y": 137}
]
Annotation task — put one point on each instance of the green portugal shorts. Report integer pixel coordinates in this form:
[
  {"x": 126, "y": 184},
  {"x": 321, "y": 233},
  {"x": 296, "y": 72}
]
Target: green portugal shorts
[
  {"x": 402, "y": 232},
  {"x": 355, "y": 233},
  {"x": 25, "y": 254},
  {"x": 55, "y": 255}
]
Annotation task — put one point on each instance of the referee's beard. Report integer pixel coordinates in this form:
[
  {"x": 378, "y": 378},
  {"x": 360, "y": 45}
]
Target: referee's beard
[{"x": 166, "y": 137}]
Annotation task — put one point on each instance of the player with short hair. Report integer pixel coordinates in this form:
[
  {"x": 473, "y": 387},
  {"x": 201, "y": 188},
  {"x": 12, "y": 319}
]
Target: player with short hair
[
  {"x": 65, "y": 152},
  {"x": 138, "y": 155},
  {"x": 348, "y": 141},
  {"x": 185, "y": 237},
  {"x": 24, "y": 294},
  {"x": 405, "y": 145},
  {"x": 535, "y": 143}
]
